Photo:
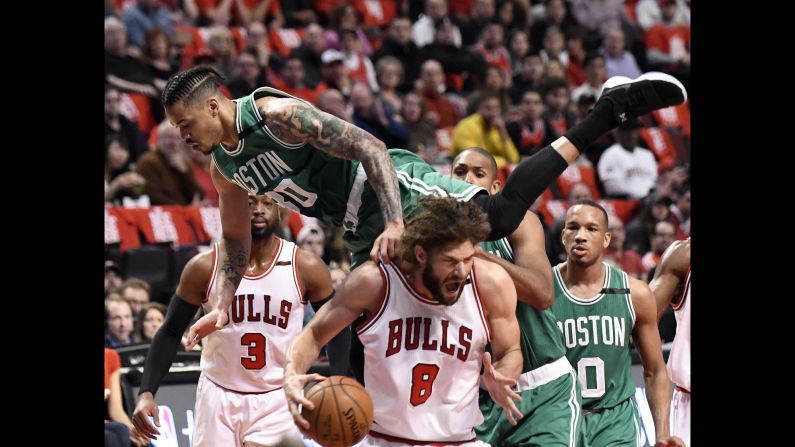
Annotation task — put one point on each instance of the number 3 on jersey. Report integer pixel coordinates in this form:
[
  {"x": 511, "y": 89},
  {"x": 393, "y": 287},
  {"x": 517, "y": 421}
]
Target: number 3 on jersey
[
  {"x": 256, "y": 350},
  {"x": 422, "y": 377}
]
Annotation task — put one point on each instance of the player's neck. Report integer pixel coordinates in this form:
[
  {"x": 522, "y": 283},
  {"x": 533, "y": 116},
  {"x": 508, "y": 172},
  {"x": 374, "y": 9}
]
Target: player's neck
[
  {"x": 414, "y": 276},
  {"x": 262, "y": 253},
  {"x": 583, "y": 275},
  {"x": 228, "y": 115}
]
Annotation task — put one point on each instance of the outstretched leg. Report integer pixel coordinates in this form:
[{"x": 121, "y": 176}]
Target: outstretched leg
[{"x": 622, "y": 99}]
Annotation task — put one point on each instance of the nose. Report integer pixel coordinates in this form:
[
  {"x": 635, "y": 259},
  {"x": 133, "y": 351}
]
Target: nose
[
  {"x": 579, "y": 236},
  {"x": 469, "y": 177},
  {"x": 183, "y": 133}
]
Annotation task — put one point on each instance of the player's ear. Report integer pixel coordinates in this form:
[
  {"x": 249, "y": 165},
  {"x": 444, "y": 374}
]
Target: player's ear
[
  {"x": 420, "y": 255},
  {"x": 608, "y": 237},
  {"x": 212, "y": 106},
  {"x": 495, "y": 186}
]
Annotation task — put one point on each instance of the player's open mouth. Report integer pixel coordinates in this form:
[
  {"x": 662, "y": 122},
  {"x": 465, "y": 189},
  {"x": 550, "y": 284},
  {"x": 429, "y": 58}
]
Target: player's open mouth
[
  {"x": 579, "y": 250},
  {"x": 452, "y": 286}
]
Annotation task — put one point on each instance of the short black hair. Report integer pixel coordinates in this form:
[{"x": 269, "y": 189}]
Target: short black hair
[
  {"x": 483, "y": 152},
  {"x": 591, "y": 57},
  {"x": 191, "y": 84},
  {"x": 590, "y": 202}
]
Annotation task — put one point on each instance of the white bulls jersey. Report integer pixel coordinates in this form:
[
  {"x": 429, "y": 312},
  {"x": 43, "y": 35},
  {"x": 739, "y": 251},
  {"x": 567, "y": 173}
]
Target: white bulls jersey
[
  {"x": 267, "y": 313},
  {"x": 679, "y": 359},
  {"x": 422, "y": 362}
]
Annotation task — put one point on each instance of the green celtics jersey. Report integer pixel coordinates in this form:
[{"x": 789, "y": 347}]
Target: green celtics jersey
[
  {"x": 540, "y": 339},
  {"x": 596, "y": 333},
  {"x": 316, "y": 184}
]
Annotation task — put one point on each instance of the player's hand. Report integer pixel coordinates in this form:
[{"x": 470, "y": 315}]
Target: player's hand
[
  {"x": 387, "y": 242},
  {"x": 670, "y": 441},
  {"x": 205, "y": 326},
  {"x": 146, "y": 407},
  {"x": 294, "y": 391},
  {"x": 500, "y": 389}
]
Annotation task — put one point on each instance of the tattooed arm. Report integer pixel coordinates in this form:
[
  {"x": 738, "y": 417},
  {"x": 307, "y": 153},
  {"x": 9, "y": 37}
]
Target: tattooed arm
[
  {"x": 233, "y": 253},
  {"x": 295, "y": 121}
]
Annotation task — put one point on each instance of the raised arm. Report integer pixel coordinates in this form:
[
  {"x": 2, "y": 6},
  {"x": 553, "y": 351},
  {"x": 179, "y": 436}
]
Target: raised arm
[
  {"x": 670, "y": 273},
  {"x": 358, "y": 294},
  {"x": 235, "y": 244},
  {"x": 498, "y": 297},
  {"x": 646, "y": 337},
  {"x": 295, "y": 121},
  {"x": 531, "y": 272},
  {"x": 184, "y": 304}
]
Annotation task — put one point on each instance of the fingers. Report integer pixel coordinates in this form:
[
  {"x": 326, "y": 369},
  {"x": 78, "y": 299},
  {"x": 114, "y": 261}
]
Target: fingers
[
  {"x": 297, "y": 417},
  {"x": 374, "y": 251},
  {"x": 143, "y": 426},
  {"x": 223, "y": 318},
  {"x": 487, "y": 366}
]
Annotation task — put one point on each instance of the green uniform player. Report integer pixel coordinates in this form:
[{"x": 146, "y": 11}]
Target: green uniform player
[
  {"x": 319, "y": 185},
  {"x": 598, "y": 310}
]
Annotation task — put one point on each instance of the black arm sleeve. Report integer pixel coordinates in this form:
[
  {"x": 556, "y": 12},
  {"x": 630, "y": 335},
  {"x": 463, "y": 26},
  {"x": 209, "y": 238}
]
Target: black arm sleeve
[
  {"x": 166, "y": 342},
  {"x": 529, "y": 179},
  {"x": 338, "y": 349}
]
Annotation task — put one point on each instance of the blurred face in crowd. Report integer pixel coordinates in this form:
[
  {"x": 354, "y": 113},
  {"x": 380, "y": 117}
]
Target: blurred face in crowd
[
  {"x": 532, "y": 68},
  {"x": 151, "y": 322},
  {"x": 483, "y": 9},
  {"x": 117, "y": 155},
  {"x": 361, "y": 98},
  {"x": 445, "y": 34},
  {"x": 532, "y": 106},
  {"x": 246, "y": 67},
  {"x": 558, "y": 99},
  {"x": 555, "y": 69},
  {"x": 348, "y": 18},
  {"x": 432, "y": 76},
  {"x": 313, "y": 243},
  {"x": 115, "y": 36},
  {"x": 136, "y": 297},
  {"x": 553, "y": 42},
  {"x": 664, "y": 235},
  {"x": 616, "y": 229},
  {"x": 112, "y": 102},
  {"x": 492, "y": 36},
  {"x": 389, "y": 75},
  {"x": 490, "y": 109},
  {"x": 520, "y": 44},
  {"x": 120, "y": 321},
  {"x": 412, "y": 107},
  {"x": 170, "y": 143},
  {"x": 436, "y": 8},
  {"x": 350, "y": 43},
  {"x": 494, "y": 80},
  {"x": 400, "y": 30},
  {"x": 683, "y": 203},
  {"x": 614, "y": 42},
  {"x": 293, "y": 72},
  {"x": 580, "y": 191},
  {"x": 313, "y": 38},
  {"x": 257, "y": 32},
  {"x": 556, "y": 11},
  {"x": 332, "y": 101},
  {"x": 596, "y": 71}
]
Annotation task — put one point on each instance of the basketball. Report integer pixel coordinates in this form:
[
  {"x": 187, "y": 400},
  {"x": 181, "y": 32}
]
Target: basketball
[{"x": 343, "y": 412}]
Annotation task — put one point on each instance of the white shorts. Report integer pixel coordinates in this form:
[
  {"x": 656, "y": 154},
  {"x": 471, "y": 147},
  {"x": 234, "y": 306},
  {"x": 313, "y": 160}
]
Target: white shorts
[
  {"x": 680, "y": 415},
  {"x": 227, "y": 418},
  {"x": 372, "y": 441}
]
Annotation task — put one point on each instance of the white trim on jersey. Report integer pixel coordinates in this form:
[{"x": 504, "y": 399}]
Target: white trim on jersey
[
  {"x": 410, "y": 288},
  {"x": 628, "y": 297},
  {"x": 265, "y": 126},
  {"x": 270, "y": 267},
  {"x": 423, "y": 188},
  {"x": 685, "y": 291},
  {"x": 212, "y": 272},
  {"x": 575, "y": 409},
  {"x": 301, "y": 295},
  {"x": 239, "y": 127},
  {"x": 381, "y": 307},
  {"x": 595, "y": 299},
  {"x": 355, "y": 200}
]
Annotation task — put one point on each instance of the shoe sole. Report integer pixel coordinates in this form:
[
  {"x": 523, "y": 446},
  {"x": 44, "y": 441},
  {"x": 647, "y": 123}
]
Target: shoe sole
[{"x": 651, "y": 76}]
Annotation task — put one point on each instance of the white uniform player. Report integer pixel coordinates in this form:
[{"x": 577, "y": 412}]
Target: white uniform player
[
  {"x": 422, "y": 364},
  {"x": 679, "y": 366},
  {"x": 242, "y": 364}
]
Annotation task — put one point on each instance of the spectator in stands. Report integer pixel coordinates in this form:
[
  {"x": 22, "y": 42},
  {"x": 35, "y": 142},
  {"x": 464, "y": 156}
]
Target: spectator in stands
[
  {"x": 656, "y": 208},
  {"x": 531, "y": 131},
  {"x": 483, "y": 12},
  {"x": 649, "y": 12},
  {"x": 119, "y": 427},
  {"x": 200, "y": 164},
  {"x": 680, "y": 211},
  {"x": 518, "y": 48},
  {"x": 529, "y": 77},
  {"x": 118, "y": 126},
  {"x": 513, "y": 14},
  {"x": 156, "y": 57},
  {"x": 359, "y": 66},
  {"x": 668, "y": 44},
  {"x": 389, "y": 72},
  {"x": 556, "y": 101},
  {"x": 335, "y": 73},
  {"x": 575, "y": 48},
  {"x": 113, "y": 278},
  {"x": 119, "y": 182},
  {"x": 122, "y": 70},
  {"x": 618, "y": 61},
  {"x": 627, "y": 170},
  {"x": 291, "y": 81},
  {"x": 422, "y": 140},
  {"x": 663, "y": 236},
  {"x": 118, "y": 321},
  {"x": 492, "y": 85},
  {"x": 554, "y": 47},
  {"x": 486, "y": 129},
  {"x": 312, "y": 239},
  {"x": 398, "y": 44},
  {"x": 222, "y": 45},
  {"x": 152, "y": 316},
  {"x": 137, "y": 293},
  {"x": 555, "y": 14},
  {"x": 167, "y": 170},
  {"x": 332, "y": 101},
  {"x": 493, "y": 51},
  {"x": 440, "y": 109},
  {"x": 254, "y": 11},
  {"x": 343, "y": 17},
  {"x": 595, "y": 72},
  {"x": 143, "y": 16},
  {"x": 258, "y": 43},
  {"x": 465, "y": 63},
  {"x": 555, "y": 70},
  {"x": 424, "y": 29},
  {"x": 310, "y": 52},
  {"x": 370, "y": 115},
  {"x": 298, "y": 13},
  {"x": 597, "y": 16},
  {"x": 627, "y": 260},
  {"x": 248, "y": 75}
]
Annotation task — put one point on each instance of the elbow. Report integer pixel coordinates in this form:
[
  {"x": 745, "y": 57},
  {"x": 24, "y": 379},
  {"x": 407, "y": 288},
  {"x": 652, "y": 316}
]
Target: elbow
[{"x": 546, "y": 300}]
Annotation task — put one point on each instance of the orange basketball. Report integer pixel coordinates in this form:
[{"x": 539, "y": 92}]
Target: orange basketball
[{"x": 343, "y": 412}]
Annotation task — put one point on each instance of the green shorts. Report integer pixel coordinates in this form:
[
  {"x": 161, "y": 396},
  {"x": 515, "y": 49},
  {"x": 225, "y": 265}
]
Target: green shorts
[{"x": 616, "y": 426}]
